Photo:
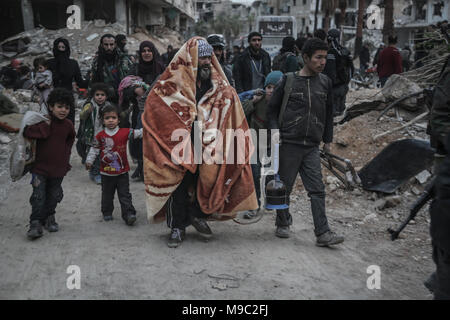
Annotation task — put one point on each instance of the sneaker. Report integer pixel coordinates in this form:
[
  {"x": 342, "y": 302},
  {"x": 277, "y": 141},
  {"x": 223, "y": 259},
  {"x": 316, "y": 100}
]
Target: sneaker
[
  {"x": 130, "y": 219},
  {"x": 282, "y": 232},
  {"x": 250, "y": 214},
  {"x": 176, "y": 237},
  {"x": 202, "y": 227},
  {"x": 98, "y": 179},
  {"x": 328, "y": 238},
  {"x": 107, "y": 218},
  {"x": 35, "y": 230},
  {"x": 51, "y": 225}
]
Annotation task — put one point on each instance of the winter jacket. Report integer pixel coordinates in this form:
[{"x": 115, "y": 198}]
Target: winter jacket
[
  {"x": 111, "y": 73},
  {"x": 72, "y": 74},
  {"x": 389, "y": 62},
  {"x": 439, "y": 209},
  {"x": 148, "y": 78},
  {"x": 440, "y": 110},
  {"x": 308, "y": 117},
  {"x": 53, "y": 146},
  {"x": 242, "y": 70}
]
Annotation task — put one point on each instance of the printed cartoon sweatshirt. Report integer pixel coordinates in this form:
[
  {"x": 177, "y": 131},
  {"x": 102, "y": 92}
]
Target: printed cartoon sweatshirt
[{"x": 112, "y": 147}]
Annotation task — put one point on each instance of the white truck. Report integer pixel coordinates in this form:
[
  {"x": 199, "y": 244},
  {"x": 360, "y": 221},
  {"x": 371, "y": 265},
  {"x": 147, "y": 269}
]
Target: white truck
[{"x": 274, "y": 29}]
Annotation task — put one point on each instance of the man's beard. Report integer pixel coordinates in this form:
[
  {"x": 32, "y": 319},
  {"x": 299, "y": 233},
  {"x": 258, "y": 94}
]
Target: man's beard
[
  {"x": 204, "y": 73},
  {"x": 109, "y": 55}
]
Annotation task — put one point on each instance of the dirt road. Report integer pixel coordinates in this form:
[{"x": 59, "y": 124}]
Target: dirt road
[
  {"x": 240, "y": 262},
  {"x": 121, "y": 262}
]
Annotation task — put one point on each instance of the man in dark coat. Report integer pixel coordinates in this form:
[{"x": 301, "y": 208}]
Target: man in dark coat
[
  {"x": 364, "y": 58},
  {"x": 252, "y": 66},
  {"x": 110, "y": 65}
]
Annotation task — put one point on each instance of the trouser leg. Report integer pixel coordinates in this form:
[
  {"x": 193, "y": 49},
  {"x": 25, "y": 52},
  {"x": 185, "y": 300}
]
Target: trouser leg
[
  {"x": 37, "y": 199},
  {"x": 109, "y": 184},
  {"x": 311, "y": 174},
  {"x": 290, "y": 160},
  {"x": 123, "y": 192},
  {"x": 54, "y": 195},
  {"x": 177, "y": 208},
  {"x": 442, "y": 261},
  {"x": 256, "y": 171}
]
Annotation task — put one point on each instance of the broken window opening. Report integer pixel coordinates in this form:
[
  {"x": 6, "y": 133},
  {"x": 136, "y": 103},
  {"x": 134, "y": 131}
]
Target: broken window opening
[{"x": 437, "y": 8}]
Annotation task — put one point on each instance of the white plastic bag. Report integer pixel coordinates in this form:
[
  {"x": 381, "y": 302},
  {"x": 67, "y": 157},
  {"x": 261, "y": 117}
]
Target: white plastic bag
[{"x": 24, "y": 151}]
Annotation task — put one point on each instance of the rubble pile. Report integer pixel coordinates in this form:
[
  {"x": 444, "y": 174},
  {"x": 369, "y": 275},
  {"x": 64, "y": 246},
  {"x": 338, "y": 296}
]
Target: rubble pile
[
  {"x": 84, "y": 42},
  {"x": 438, "y": 50}
]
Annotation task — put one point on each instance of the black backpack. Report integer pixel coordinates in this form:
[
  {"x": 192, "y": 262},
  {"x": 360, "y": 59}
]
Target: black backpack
[{"x": 279, "y": 62}]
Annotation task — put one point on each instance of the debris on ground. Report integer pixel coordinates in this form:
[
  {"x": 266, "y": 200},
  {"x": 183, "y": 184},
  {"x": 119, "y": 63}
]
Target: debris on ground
[{"x": 28, "y": 45}]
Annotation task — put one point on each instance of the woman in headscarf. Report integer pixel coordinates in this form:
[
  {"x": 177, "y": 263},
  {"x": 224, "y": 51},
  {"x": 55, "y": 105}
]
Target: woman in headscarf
[
  {"x": 149, "y": 68},
  {"x": 65, "y": 71},
  {"x": 150, "y": 64}
]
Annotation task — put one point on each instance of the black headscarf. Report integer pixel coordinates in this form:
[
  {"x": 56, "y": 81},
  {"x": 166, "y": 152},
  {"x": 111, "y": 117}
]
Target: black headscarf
[
  {"x": 153, "y": 68},
  {"x": 62, "y": 58}
]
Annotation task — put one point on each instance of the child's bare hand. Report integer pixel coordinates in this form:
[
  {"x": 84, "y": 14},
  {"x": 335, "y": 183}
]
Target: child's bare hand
[{"x": 88, "y": 166}]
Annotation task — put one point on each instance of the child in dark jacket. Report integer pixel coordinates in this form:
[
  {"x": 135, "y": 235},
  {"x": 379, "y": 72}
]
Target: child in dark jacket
[
  {"x": 111, "y": 145},
  {"x": 54, "y": 140}
]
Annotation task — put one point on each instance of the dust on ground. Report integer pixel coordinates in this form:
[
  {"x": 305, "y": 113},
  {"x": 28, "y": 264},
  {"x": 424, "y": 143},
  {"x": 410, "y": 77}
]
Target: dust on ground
[{"x": 239, "y": 262}]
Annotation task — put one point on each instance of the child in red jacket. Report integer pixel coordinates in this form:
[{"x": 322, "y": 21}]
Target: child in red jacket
[
  {"x": 111, "y": 144},
  {"x": 54, "y": 140}
]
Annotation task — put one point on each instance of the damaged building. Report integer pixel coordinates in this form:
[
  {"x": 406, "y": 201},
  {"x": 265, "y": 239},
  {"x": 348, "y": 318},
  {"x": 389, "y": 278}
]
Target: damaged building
[
  {"x": 412, "y": 17},
  {"x": 22, "y": 15}
]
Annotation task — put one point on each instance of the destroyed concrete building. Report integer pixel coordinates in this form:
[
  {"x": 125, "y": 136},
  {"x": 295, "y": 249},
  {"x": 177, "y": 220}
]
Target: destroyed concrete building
[
  {"x": 412, "y": 17},
  {"x": 23, "y": 15}
]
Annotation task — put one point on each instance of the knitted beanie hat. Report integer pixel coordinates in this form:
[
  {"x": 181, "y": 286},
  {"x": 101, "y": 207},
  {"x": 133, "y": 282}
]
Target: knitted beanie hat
[
  {"x": 204, "y": 49},
  {"x": 273, "y": 78}
]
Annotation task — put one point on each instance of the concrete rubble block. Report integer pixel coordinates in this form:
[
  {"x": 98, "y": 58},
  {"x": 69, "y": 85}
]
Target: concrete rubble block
[
  {"x": 332, "y": 180},
  {"x": 423, "y": 176},
  {"x": 24, "y": 95},
  {"x": 399, "y": 86},
  {"x": 4, "y": 139},
  {"x": 370, "y": 218},
  {"x": 380, "y": 204},
  {"x": 416, "y": 191},
  {"x": 100, "y": 23},
  {"x": 388, "y": 202},
  {"x": 92, "y": 37},
  {"x": 11, "y": 121}
]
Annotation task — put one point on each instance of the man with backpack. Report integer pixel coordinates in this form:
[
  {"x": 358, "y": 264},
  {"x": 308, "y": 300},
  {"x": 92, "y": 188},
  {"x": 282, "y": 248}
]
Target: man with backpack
[
  {"x": 339, "y": 68},
  {"x": 286, "y": 60},
  {"x": 301, "y": 107}
]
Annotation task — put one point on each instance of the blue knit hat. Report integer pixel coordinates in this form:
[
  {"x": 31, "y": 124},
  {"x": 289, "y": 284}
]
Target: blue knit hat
[
  {"x": 273, "y": 78},
  {"x": 204, "y": 49}
]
